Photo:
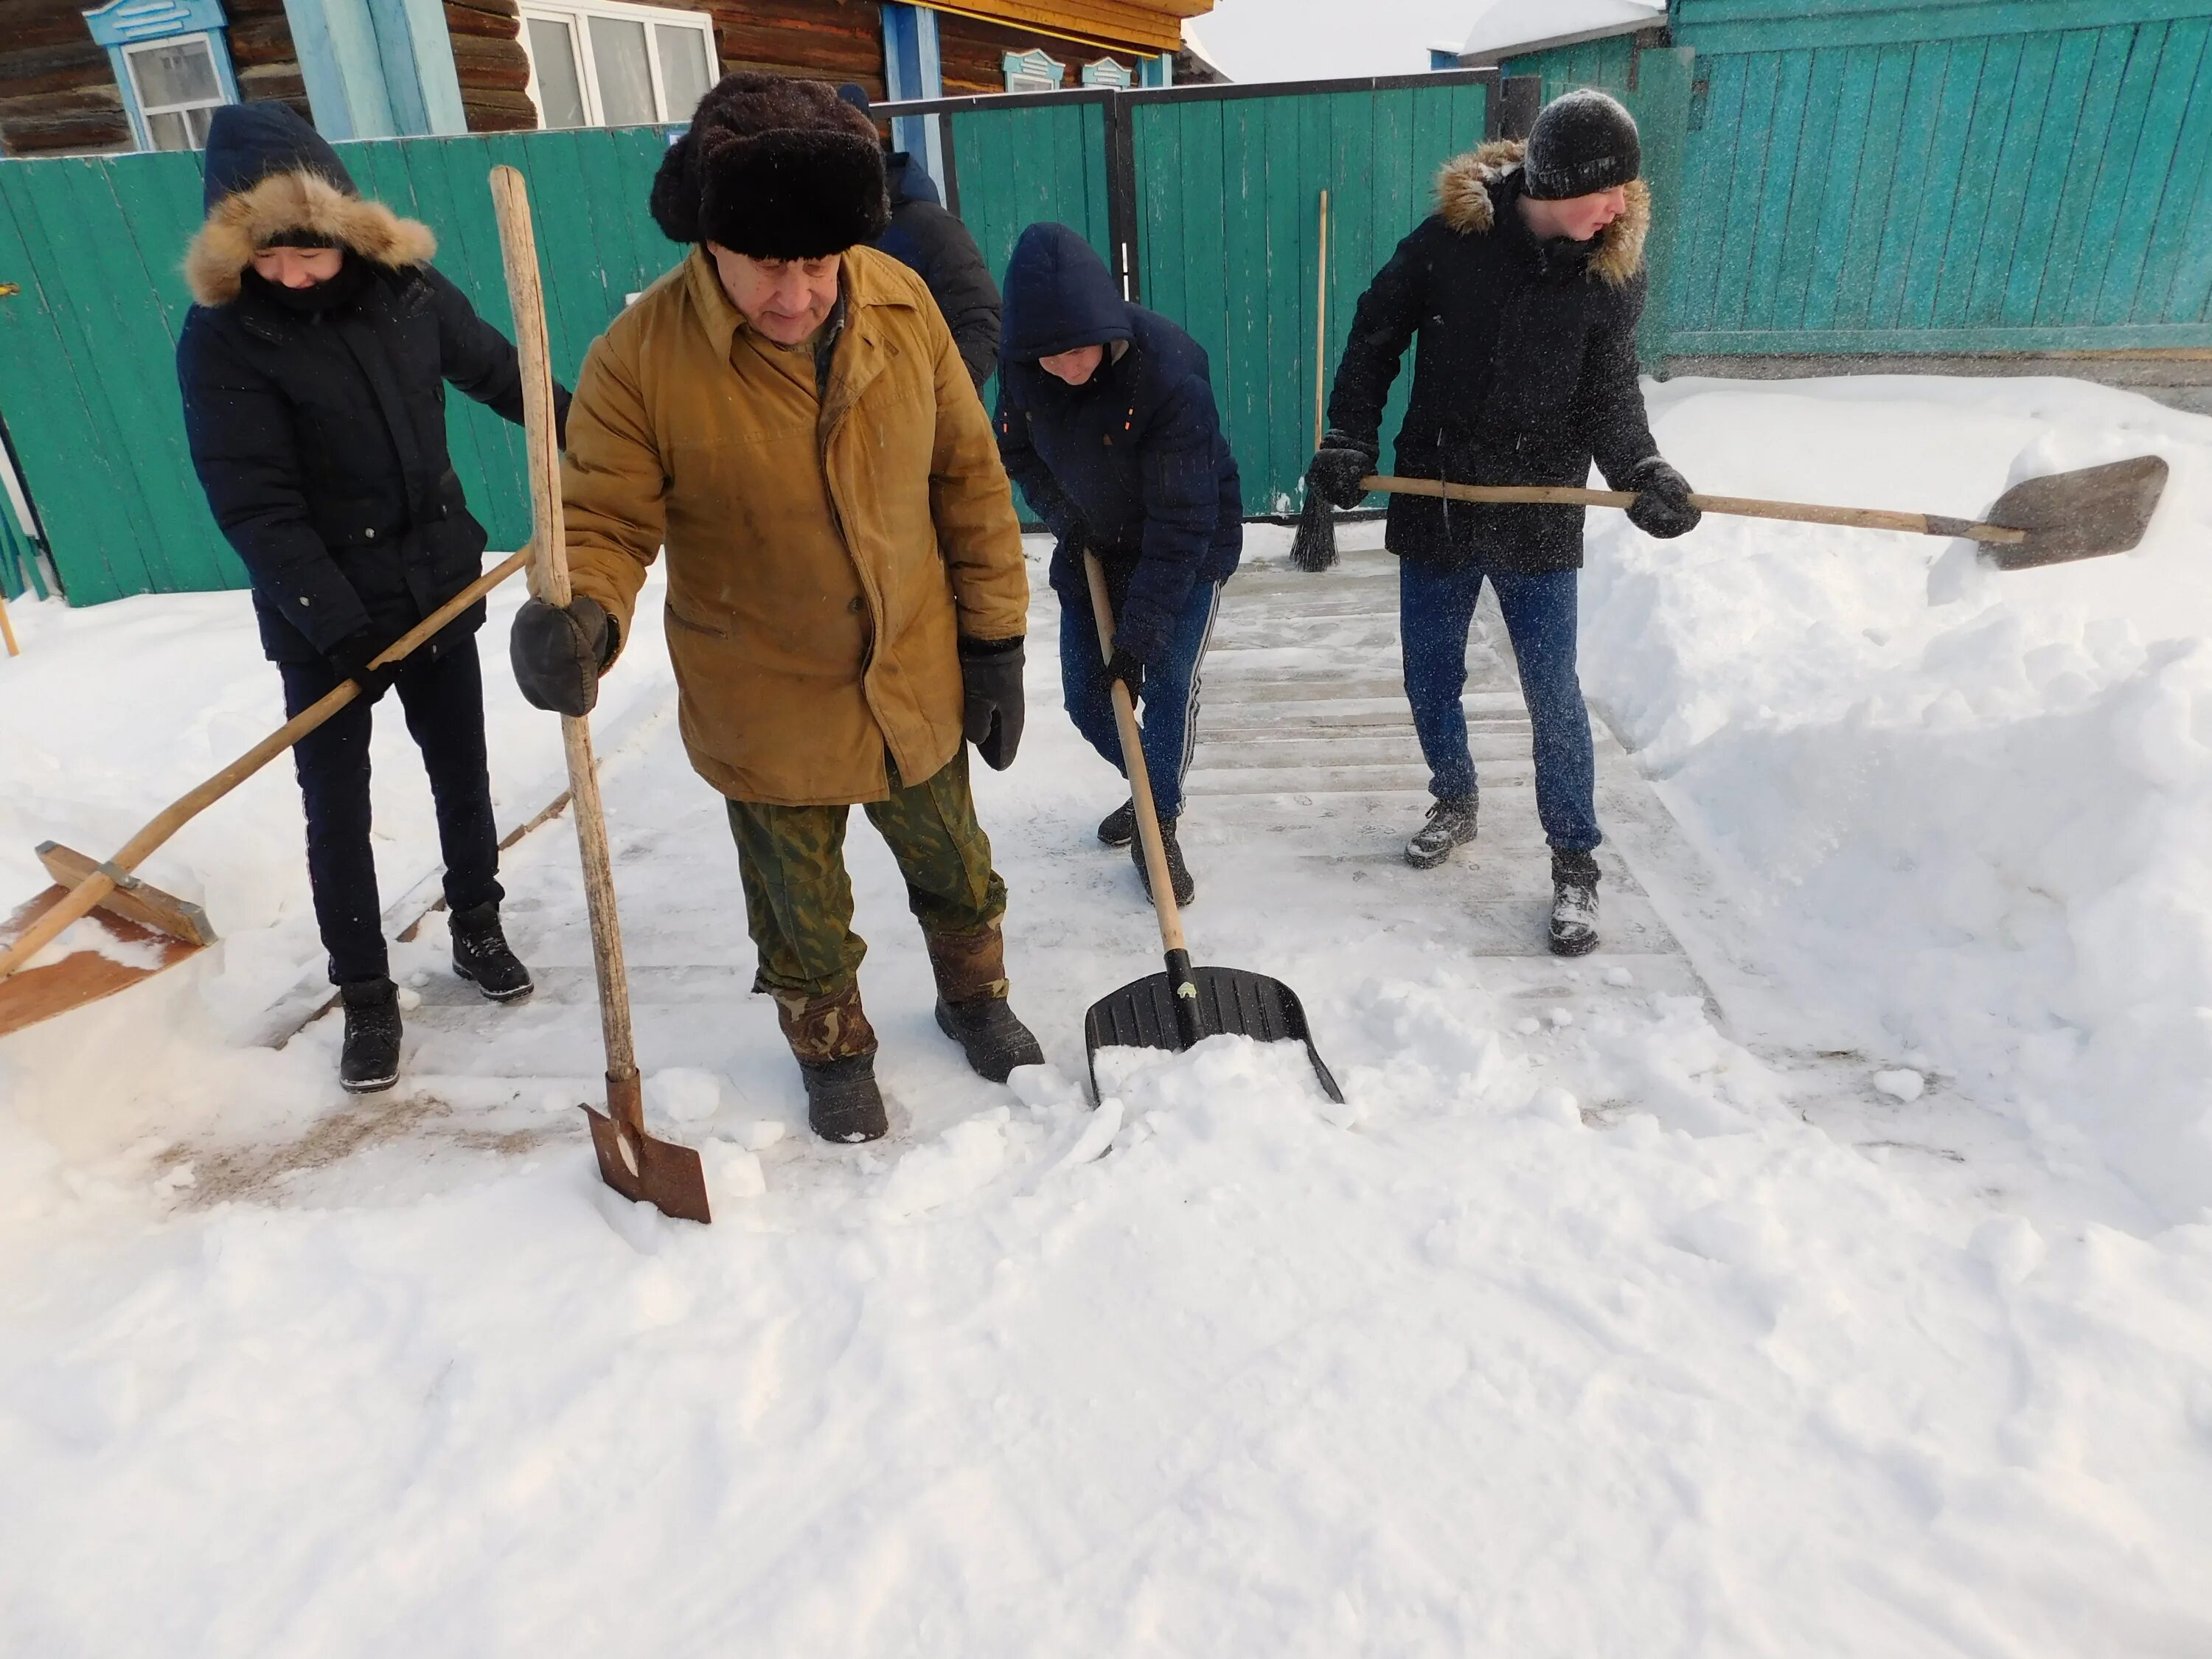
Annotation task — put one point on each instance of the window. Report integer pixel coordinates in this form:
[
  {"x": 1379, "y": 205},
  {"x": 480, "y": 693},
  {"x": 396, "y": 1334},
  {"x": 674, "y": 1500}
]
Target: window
[
  {"x": 596, "y": 63},
  {"x": 1031, "y": 71},
  {"x": 178, "y": 88}
]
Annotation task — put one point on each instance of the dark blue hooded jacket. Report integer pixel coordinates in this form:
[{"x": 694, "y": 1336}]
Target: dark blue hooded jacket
[
  {"x": 937, "y": 246},
  {"x": 320, "y": 435},
  {"x": 1133, "y": 464}
]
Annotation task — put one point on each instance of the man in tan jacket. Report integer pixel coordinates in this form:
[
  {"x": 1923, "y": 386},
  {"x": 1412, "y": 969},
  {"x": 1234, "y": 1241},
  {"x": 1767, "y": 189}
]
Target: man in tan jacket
[{"x": 787, "y": 413}]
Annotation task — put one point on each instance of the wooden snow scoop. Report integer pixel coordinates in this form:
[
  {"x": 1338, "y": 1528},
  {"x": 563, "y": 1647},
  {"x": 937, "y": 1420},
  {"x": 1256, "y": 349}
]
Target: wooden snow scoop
[
  {"x": 2083, "y": 514},
  {"x": 641, "y": 1168},
  {"x": 1175, "y": 1009},
  {"x": 151, "y": 929}
]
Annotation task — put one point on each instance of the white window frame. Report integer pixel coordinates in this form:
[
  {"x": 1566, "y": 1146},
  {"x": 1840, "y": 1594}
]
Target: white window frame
[
  {"x": 574, "y": 14},
  {"x": 1034, "y": 70},
  {"x": 148, "y": 112}
]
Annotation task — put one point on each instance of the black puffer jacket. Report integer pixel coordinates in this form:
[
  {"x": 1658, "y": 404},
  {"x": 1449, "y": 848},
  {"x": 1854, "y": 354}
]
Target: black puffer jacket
[
  {"x": 937, "y": 248},
  {"x": 1525, "y": 370},
  {"x": 320, "y": 437},
  {"x": 1133, "y": 463}
]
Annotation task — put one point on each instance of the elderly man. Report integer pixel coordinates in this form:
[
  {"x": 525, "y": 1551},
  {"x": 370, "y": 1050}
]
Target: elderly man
[
  {"x": 787, "y": 413},
  {"x": 1523, "y": 290}
]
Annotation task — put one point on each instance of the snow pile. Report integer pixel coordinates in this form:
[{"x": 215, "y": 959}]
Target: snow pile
[{"x": 1976, "y": 824}]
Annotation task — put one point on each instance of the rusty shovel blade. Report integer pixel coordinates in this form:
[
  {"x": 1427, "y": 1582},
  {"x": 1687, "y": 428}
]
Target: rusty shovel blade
[
  {"x": 2083, "y": 514},
  {"x": 641, "y": 1169}
]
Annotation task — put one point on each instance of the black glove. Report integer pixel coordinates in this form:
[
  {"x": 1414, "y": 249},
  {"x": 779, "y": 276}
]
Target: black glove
[
  {"x": 350, "y": 658},
  {"x": 991, "y": 677},
  {"x": 1663, "y": 505},
  {"x": 557, "y": 654},
  {"x": 1337, "y": 466},
  {"x": 1127, "y": 667}
]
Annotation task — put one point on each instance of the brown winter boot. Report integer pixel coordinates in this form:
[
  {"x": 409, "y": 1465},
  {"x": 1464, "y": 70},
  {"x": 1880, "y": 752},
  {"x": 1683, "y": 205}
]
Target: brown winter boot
[
  {"x": 835, "y": 1048},
  {"x": 971, "y": 1003}
]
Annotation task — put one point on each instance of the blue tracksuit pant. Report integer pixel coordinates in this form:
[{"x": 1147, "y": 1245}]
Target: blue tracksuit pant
[
  {"x": 1435, "y": 610},
  {"x": 1168, "y": 709}
]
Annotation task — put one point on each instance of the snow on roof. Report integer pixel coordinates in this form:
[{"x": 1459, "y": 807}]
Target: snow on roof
[{"x": 1506, "y": 26}]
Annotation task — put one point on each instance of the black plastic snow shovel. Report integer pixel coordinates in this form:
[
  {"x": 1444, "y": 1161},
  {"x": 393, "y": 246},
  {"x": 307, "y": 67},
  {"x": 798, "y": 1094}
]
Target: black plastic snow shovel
[
  {"x": 1175, "y": 1009},
  {"x": 2084, "y": 514}
]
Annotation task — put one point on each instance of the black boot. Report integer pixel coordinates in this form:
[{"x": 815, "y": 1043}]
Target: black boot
[
  {"x": 842, "y": 1102},
  {"x": 1451, "y": 824},
  {"x": 1118, "y": 827},
  {"x": 989, "y": 1034},
  {"x": 370, "y": 1058},
  {"x": 1574, "y": 904},
  {"x": 481, "y": 955},
  {"x": 1179, "y": 881}
]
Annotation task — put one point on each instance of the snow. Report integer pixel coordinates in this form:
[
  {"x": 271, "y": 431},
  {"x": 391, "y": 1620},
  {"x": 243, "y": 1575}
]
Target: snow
[{"x": 1858, "y": 1308}]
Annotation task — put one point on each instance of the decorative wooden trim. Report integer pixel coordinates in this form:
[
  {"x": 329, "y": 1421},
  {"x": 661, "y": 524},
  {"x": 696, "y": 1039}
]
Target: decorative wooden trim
[{"x": 1103, "y": 22}]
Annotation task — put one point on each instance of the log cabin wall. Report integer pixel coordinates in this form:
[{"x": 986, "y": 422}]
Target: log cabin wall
[
  {"x": 491, "y": 65},
  {"x": 57, "y": 91},
  {"x": 832, "y": 40}
]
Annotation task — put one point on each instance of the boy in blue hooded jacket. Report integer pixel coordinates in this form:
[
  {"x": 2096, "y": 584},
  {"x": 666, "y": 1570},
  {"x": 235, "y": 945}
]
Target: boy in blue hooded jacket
[{"x": 1107, "y": 421}]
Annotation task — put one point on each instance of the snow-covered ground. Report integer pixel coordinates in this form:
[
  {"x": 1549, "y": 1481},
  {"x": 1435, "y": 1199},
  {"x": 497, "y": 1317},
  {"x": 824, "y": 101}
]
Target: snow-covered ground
[{"x": 1571, "y": 1335}]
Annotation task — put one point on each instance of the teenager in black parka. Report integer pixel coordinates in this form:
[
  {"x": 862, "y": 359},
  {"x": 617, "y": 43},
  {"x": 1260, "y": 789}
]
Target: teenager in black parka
[
  {"x": 314, "y": 369},
  {"x": 1523, "y": 291},
  {"x": 1107, "y": 421}
]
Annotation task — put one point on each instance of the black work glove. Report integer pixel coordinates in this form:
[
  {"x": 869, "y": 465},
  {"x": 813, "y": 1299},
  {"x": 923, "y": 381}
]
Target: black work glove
[
  {"x": 558, "y": 653},
  {"x": 990, "y": 678},
  {"x": 1662, "y": 506},
  {"x": 1127, "y": 667},
  {"x": 1335, "y": 471},
  {"x": 350, "y": 658}
]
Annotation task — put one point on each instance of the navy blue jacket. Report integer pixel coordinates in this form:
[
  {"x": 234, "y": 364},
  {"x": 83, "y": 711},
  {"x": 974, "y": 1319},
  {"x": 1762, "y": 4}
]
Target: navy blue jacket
[
  {"x": 1133, "y": 464},
  {"x": 320, "y": 439}
]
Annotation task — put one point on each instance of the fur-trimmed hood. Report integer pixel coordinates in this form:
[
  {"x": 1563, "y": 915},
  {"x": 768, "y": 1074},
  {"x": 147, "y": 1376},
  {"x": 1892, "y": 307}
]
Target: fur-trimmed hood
[
  {"x": 240, "y": 225},
  {"x": 1463, "y": 200}
]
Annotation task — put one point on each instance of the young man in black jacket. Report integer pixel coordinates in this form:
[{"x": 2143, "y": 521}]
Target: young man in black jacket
[
  {"x": 314, "y": 369},
  {"x": 1107, "y": 421},
  {"x": 1523, "y": 290}
]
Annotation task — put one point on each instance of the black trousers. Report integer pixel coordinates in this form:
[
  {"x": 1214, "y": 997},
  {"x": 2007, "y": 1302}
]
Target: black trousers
[{"x": 443, "y": 698}]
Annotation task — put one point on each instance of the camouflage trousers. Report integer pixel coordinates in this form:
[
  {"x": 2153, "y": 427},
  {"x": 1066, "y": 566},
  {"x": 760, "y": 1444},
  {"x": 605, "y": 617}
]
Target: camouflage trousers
[{"x": 798, "y": 903}]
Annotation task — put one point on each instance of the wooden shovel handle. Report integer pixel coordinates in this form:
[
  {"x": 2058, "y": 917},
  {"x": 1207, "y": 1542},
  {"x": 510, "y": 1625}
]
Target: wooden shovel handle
[
  {"x": 1133, "y": 761},
  {"x": 549, "y": 580},
  {"x": 1737, "y": 506},
  {"x": 83, "y": 900}
]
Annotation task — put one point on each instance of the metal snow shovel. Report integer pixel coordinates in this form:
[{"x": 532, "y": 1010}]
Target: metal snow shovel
[
  {"x": 2083, "y": 514},
  {"x": 641, "y": 1169},
  {"x": 1175, "y": 1009}
]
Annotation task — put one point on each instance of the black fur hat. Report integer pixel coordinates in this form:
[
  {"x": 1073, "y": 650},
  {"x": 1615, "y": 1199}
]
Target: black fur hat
[
  {"x": 1583, "y": 141},
  {"x": 775, "y": 170}
]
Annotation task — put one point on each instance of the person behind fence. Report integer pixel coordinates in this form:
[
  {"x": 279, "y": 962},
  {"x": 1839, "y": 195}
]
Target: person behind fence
[
  {"x": 1523, "y": 289},
  {"x": 787, "y": 413},
  {"x": 313, "y": 366},
  {"x": 927, "y": 236},
  {"x": 1107, "y": 421}
]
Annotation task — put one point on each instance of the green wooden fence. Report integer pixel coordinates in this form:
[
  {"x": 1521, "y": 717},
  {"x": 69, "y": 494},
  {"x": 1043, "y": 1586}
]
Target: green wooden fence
[{"x": 1229, "y": 222}]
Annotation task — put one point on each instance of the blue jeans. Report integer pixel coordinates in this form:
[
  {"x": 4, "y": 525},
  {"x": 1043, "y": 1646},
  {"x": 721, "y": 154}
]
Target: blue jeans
[
  {"x": 1435, "y": 609},
  {"x": 1170, "y": 703}
]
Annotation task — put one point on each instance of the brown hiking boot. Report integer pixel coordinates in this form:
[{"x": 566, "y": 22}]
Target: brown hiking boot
[
  {"x": 971, "y": 1003},
  {"x": 835, "y": 1048}
]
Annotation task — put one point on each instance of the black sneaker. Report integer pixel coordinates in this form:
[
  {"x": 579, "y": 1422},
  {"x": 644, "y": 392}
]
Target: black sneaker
[
  {"x": 1179, "y": 881},
  {"x": 842, "y": 1102},
  {"x": 1118, "y": 827},
  {"x": 1574, "y": 904},
  {"x": 369, "y": 1060},
  {"x": 1451, "y": 824},
  {"x": 989, "y": 1034},
  {"x": 481, "y": 955}
]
